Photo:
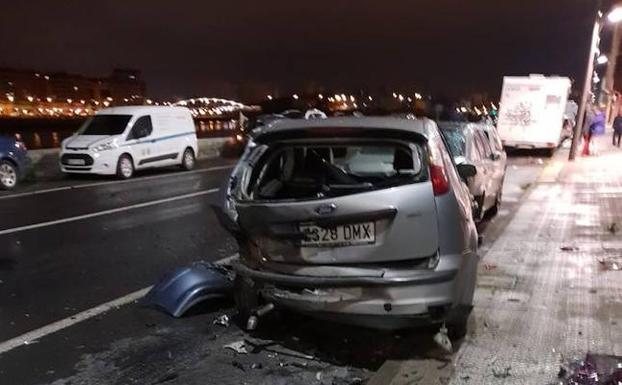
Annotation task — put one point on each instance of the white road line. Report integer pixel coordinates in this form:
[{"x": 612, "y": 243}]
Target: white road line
[
  {"x": 95, "y": 184},
  {"x": 34, "y": 335},
  {"x": 106, "y": 212}
]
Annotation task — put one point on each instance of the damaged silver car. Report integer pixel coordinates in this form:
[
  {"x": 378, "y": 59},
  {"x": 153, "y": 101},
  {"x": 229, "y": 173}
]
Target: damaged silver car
[{"x": 364, "y": 221}]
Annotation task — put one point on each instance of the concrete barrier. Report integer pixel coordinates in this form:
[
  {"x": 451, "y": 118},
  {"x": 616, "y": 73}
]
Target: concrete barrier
[{"x": 44, "y": 163}]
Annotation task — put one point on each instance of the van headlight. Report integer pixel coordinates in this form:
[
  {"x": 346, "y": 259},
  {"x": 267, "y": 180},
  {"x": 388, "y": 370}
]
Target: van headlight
[{"x": 104, "y": 147}]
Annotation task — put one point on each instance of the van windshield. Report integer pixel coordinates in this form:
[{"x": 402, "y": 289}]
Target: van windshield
[
  {"x": 308, "y": 171},
  {"x": 105, "y": 125}
]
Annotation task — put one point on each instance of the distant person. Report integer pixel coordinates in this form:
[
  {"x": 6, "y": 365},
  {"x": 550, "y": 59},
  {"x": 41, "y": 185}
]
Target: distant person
[
  {"x": 586, "y": 130},
  {"x": 617, "y": 129}
]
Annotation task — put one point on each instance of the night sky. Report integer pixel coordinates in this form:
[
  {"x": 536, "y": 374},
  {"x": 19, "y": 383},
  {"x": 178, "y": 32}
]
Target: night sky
[{"x": 189, "y": 48}]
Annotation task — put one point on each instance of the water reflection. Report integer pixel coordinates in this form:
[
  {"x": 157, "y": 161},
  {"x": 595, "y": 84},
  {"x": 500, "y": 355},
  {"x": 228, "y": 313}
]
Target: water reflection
[{"x": 49, "y": 133}]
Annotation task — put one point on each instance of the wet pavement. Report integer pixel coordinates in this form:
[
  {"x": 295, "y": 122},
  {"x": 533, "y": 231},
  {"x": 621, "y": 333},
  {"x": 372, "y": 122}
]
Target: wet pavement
[
  {"x": 55, "y": 271},
  {"x": 553, "y": 295}
]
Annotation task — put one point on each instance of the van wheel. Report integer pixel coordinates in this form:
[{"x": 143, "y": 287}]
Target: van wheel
[
  {"x": 125, "y": 167},
  {"x": 188, "y": 160},
  {"x": 8, "y": 175}
]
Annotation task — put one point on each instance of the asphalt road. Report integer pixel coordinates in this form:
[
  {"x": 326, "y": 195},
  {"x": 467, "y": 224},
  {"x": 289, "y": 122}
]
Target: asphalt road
[
  {"x": 86, "y": 242},
  {"x": 61, "y": 268}
]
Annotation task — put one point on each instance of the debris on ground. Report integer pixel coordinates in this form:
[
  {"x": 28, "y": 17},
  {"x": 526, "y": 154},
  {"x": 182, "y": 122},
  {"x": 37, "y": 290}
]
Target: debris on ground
[
  {"x": 238, "y": 365},
  {"x": 238, "y": 347},
  {"x": 611, "y": 263},
  {"x": 490, "y": 266},
  {"x": 222, "y": 320},
  {"x": 593, "y": 291},
  {"x": 613, "y": 228},
  {"x": 442, "y": 340},
  {"x": 505, "y": 373},
  {"x": 594, "y": 369},
  {"x": 569, "y": 248}
]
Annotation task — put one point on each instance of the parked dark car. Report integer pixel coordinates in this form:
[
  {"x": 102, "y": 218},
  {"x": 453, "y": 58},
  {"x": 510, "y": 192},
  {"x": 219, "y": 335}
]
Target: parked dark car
[
  {"x": 13, "y": 162},
  {"x": 479, "y": 145}
]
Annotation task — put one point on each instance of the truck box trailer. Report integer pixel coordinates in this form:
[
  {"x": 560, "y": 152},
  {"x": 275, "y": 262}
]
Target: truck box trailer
[{"x": 531, "y": 113}]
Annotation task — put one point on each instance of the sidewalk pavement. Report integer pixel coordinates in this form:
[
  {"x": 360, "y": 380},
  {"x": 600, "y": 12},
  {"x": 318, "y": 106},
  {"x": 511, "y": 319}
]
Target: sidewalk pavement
[{"x": 549, "y": 289}]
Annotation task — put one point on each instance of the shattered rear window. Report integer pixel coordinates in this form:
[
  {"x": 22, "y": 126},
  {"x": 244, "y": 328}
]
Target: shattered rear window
[{"x": 309, "y": 171}]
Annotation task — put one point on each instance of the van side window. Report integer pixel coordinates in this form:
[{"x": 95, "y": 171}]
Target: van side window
[{"x": 142, "y": 128}]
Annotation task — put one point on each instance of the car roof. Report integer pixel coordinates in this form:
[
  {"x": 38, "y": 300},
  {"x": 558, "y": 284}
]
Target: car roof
[
  {"x": 133, "y": 110},
  {"x": 424, "y": 127},
  {"x": 461, "y": 126}
]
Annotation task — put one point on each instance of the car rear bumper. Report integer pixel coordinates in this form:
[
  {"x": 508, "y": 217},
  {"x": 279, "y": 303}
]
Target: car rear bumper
[{"x": 384, "y": 303}]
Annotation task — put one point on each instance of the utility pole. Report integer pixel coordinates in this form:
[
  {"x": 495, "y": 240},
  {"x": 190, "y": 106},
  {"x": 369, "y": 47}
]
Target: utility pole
[
  {"x": 611, "y": 70},
  {"x": 587, "y": 87}
]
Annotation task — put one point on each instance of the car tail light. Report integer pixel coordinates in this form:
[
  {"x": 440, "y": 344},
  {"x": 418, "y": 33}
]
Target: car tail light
[
  {"x": 438, "y": 173},
  {"x": 21, "y": 145}
]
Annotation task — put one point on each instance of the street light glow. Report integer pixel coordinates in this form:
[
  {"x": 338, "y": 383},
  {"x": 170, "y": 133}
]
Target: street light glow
[
  {"x": 615, "y": 16},
  {"x": 295, "y": 96},
  {"x": 602, "y": 59}
]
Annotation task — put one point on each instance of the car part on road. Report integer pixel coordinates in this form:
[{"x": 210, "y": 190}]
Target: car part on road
[
  {"x": 442, "y": 340},
  {"x": 184, "y": 287},
  {"x": 253, "y": 320},
  {"x": 222, "y": 320},
  {"x": 593, "y": 369},
  {"x": 238, "y": 347}
]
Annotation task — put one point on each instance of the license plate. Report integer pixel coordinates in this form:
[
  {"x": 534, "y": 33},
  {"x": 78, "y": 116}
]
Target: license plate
[
  {"x": 342, "y": 235},
  {"x": 76, "y": 162}
]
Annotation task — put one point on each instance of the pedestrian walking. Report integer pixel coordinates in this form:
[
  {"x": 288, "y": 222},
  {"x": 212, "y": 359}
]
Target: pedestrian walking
[
  {"x": 617, "y": 129},
  {"x": 586, "y": 130}
]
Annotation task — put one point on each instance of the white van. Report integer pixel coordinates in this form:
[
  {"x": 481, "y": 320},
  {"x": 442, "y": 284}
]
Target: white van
[{"x": 120, "y": 140}]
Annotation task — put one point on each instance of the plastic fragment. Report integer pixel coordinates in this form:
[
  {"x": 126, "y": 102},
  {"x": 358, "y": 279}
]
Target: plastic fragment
[
  {"x": 237, "y": 346},
  {"x": 222, "y": 320},
  {"x": 442, "y": 339}
]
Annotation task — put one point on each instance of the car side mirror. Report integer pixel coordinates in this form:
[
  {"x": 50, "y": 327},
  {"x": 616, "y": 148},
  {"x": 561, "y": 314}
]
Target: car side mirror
[
  {"x": 466, "y": 170},
  {"x": 495, "y": 155}
]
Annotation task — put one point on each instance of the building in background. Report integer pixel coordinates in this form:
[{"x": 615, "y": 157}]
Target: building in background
[{"x": 29, "y": 93}]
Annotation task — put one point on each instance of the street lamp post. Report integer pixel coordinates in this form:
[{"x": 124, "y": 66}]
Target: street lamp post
[
  {"x": 614, "y": 16},
  {"x": 587, "y": 85}
]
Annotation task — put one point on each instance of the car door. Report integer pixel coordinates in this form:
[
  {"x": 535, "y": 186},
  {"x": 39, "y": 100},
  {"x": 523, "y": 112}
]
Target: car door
[
  {"x": 142, "y": 145},
  {"x": 491, "y": 185}
]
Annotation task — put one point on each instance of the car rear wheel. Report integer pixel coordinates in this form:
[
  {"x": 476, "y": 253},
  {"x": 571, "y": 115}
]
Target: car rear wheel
[
  {"x": 188, "y": 160},
  {"x": 458, "y": 328},
  {"x": 125, "y": 167},
  {"x": 495, "y": 209},
  {"x": 8, "y": 175},
  {"x": 478, "y": 213}
]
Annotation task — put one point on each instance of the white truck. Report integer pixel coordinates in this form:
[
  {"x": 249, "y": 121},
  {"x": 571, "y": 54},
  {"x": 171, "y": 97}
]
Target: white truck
[{"x": 531, "y": 113}]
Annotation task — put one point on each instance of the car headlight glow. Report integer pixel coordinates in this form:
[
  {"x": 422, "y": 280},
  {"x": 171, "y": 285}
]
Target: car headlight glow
[{"x": 104, "y": 147}]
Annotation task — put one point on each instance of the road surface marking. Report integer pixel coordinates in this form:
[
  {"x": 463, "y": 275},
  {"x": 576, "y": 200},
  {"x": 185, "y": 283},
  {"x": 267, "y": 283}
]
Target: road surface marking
[
  {"x": 95, "y": 184},
  {"x": 106, "y": 212},
  {"x": 34, "y": 335}
]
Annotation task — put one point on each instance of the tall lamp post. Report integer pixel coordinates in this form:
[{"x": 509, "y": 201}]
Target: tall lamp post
[{"x": 615, "y": 16}]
